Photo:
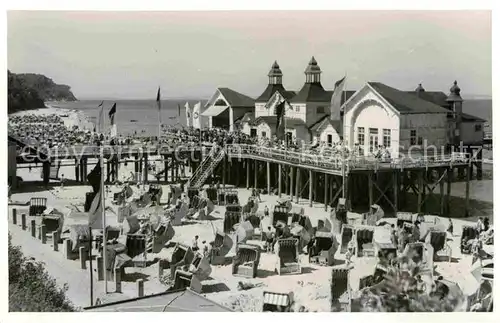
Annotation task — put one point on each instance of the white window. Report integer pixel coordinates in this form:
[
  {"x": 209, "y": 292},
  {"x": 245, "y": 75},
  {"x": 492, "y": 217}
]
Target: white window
[
  {"x": 264, "y": 134},
  {"x": 413, "y": 137},
  {"x": 373, "y": 139},
  {"x": 361, "y": 136},
  {"x": 297, "y": 109},
  {"x": 387, "y": 138}
]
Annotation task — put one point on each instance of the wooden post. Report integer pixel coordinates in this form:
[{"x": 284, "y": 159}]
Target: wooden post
[
  {"x": 100, "y": 268},
  {"x": 441, "y": 193},
  {"x": 67, "y": 248},
  {"x": 43, "y": 233},
  {"x": 118, "y": 280},
  {"x": 14, "y": 216},
  {"x": 291, "y": 182},
  {"x": 224, "y": 171},
  {"x": 297, "y": 185},
  {"x": 279, "y": 180},
  {"x": 247, "y": 165},
  {"x": 255, "y": 174},
  {"x": 145, "y": 168},
  {"x": 311, "y": 188},
  {"x": 395, "y": 189},
  {"x": 108, "y": 170},
  {"x": 82, "y": 255},
  {"x": 268, "y": 178},
  {"x": 479, "y": 165},
  {"x": 140, "y": 287},
  {"x": 370, "y": 188},
  {"x": 77, "y": 170},
  {"x": 55, "y": 240},
  {"x": 326, "y": 192},
  {"x": 467, "y": 190},
  {"x": 449, "y": 179},
  {"x": 420, "y": 191},
  {"x": 23, "y": 221},
  {"x": 33, "y": 228}
]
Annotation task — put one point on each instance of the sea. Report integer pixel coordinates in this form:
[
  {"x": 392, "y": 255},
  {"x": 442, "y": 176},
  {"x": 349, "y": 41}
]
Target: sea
[
  {"x": 133, "y": 116},
  {"x": 141, "y": 116}
]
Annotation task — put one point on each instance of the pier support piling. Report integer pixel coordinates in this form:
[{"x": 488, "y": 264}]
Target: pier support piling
[
  {"x": 279, "y": 180},
  {"x": 268, "y": 178},
  {"x": 311, "y": 188}
]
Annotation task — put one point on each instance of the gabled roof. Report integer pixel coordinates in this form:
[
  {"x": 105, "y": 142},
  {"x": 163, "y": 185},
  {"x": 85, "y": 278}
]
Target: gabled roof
[
  {"x": 312, "y": 92},
  {"x": 404, "y": 102},
  {"x": 436, "y": 97},
  {"x": 470, "y": 118},
  {"x": 271, "y": 89},
  {"x": 170, "y": 301},
  {"x": 236, "y": 99},
  {"x": 336, "y": 124}
]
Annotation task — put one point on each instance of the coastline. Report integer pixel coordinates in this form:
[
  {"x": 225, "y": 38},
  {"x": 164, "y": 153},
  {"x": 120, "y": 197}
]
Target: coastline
[{"x": 71, "y": 117}]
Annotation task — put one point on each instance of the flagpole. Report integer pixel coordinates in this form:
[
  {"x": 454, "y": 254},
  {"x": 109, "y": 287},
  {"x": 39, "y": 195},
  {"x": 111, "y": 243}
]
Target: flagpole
[
  {"x": 104, "y": 252},
  {"x": 343, "y": 139},
  {"x": 159, "y": 115},
  {"x": 90, "y": 267}
]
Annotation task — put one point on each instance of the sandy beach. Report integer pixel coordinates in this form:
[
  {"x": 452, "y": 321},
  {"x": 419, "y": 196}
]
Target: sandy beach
[
  {"x": 311, "y": 288},
  {"x": 70, "y": 117}
]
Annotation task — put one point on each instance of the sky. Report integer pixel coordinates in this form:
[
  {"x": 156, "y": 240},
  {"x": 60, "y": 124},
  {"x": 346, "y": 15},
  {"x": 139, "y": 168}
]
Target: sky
[{"x": 127, "y": 55}]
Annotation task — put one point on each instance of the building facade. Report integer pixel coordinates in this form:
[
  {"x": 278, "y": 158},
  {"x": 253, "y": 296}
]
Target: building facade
[{"x": 373, "y": 117}]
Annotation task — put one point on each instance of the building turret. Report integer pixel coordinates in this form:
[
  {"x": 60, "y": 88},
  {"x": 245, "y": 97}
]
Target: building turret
[
  {"x": 313, "y": 72},
  {"x": 419, "y": 88},
  {"x": 455, "y": 101},
  {"x": 275, "y": 74}
]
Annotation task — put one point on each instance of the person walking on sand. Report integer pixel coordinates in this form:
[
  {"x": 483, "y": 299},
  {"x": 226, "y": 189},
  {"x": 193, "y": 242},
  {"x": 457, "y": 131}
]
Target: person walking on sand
[
  {"x": 195, "y": 244},
  {"x": 450, "y": 226},
  {"x": 257, "y": 194}
]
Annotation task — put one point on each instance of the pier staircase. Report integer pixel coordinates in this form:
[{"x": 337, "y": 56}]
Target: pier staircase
[{"x": 206, "y": 167}]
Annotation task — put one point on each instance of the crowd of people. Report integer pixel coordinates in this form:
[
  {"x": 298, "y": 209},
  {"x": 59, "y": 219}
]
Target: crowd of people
[
  {"x": 47, "y": 131},
  {"x": 50, "y": 131}
]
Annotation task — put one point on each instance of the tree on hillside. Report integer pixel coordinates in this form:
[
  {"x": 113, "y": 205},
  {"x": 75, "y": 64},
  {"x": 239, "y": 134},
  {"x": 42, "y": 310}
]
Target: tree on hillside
[{"x": 31, "y": 289}]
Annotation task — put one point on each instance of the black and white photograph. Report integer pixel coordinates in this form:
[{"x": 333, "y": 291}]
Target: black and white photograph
[{"x": 249, "y": 160}]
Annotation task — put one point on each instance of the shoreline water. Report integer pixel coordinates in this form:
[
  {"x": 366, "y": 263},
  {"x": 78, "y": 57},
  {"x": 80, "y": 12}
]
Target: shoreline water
[{"x": 71, "y": 117}]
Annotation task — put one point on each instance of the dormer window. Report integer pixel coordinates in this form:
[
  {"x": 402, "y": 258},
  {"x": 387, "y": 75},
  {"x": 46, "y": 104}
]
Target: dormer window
[{"x": 320, "y": 110}]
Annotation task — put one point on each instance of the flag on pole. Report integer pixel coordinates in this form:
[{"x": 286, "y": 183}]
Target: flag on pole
[
  {"x": 178, "y": 109},
  {"x": 101, "y": 105},
  {"x": 94, "y": 177},
  {"x": 280, "y": 120},
  {"x": 189, "y": 120},
  {"x": 158, "y": 99},
  {"x": 197, "y": 116},
  {"x": 336, "y": 102},
  {"x": 95, "y": 211},
  {"x": 112, "y": 113}
]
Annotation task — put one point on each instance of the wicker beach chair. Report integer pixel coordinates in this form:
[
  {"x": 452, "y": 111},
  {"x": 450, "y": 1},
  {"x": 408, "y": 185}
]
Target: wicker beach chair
[
  {"x": 287, "y": 251},
  {"x": 37, "y": 206},
  {"x": 246, "y": 261}
]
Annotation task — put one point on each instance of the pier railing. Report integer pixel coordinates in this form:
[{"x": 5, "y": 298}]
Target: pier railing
[{"x": 335, "y": 161}]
